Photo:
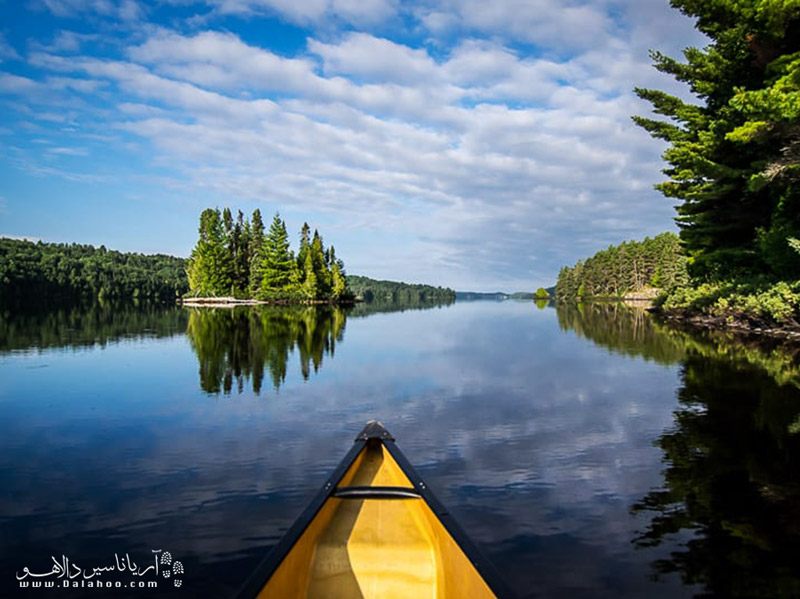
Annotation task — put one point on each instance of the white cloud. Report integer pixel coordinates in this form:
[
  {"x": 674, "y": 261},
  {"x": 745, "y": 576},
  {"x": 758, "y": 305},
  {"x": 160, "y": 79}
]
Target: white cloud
[
  {"x": 71, "y": 151},
  {"x": 7, "y": 52},
  {"x": 222, "y": 61},
  {"x": 66, "y": 41},
  {"x": 553, "y": 24},
  {"x": 304, "y": 12},
  {"x": 375, "y": 59},
  {"x": 124, "y": 10},
  {"x": 14, "y": 84}
]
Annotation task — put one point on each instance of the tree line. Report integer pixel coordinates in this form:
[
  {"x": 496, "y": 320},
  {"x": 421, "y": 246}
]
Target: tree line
[
  {"x": 51, "y": 272},
  {"x": 627, "y": 268},
  {"x": 372, "y": 290},
  {"x": 237, "y": 258}
]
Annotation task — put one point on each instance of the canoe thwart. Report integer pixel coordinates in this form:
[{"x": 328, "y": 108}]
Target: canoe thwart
[{"x": 362, "y": 492}]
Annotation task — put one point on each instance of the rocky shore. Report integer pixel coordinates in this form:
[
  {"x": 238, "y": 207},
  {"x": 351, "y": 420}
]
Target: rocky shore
[{"x": 737, "y": 323}]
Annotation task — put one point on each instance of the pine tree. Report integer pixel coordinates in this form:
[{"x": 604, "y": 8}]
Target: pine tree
[
  {"x": 255, "y": 254},
  {"x": 278, "y": 260},
  {"x": 209, "y": 267},
  {"x": 321, "y": 270},
  {"x": 239, "y": 247},
  {"x": 305, "y": 244},
  {"x": 734, "y": 159},
  {"x": 338, "y": 276},
  {"x": 310, "y": 289}
]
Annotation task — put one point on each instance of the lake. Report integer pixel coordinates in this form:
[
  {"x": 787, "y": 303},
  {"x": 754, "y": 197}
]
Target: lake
[{"x": 588, "y": 451}]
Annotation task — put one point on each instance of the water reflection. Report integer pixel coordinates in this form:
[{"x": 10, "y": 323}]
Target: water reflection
[
  {"x": 241, "y": 344},
  {"x": 627, "y": 330},
  {"x": 536, "y": 428},
  {"x": 382, "y": 305},
  {"x": 732, "y": 477},
  {"x": 83, "y": 326}
]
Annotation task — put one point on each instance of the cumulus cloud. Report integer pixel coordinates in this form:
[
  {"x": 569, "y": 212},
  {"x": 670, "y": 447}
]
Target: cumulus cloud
[
  {"x": 357, "y": 12},
  {"x": 125, "y": 10}
]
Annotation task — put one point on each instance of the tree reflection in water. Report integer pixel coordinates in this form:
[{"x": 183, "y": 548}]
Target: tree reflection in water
[
  {"x": 732, "y": 459},
  {"x": 237, "y": 344}
]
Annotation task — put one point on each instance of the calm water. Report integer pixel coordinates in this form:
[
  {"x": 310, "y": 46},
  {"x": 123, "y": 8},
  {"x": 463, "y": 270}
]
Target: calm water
[{"x": 589, "y": 453}]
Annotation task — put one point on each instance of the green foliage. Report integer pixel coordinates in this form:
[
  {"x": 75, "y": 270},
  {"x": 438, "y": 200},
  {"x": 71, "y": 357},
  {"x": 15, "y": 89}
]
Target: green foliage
[
  {"x": 210, "y": 267},
  {"x": 321, "y": 269},
  {"x": 255, "y": 254},
  {"x": 338, "y": 277},
  {"x": 278, "y": 262},
  {"x": 627, "y": 268},
  {"x": 310, "y": 287},
  {"x": 237, "y": 258},
  {"x": 755, "y": 299},
  {"x": 541, "y": 294},
  {"x": 238, "y": 243},
  {"x": 734, "y": 158},
  {"x": 397, "y": 292},
  {"x": 40, "y": 272}
]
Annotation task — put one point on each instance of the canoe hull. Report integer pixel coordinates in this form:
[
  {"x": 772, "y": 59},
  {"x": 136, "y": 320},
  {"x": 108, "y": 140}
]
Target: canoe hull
[{"x": 375, "y": 531}]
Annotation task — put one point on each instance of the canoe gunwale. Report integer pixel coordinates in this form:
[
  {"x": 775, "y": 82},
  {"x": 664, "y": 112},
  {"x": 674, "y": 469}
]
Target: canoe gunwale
[
  {"x": 484, "y": 567},
  {"x": 275, "y": 557},
  {"x": 375, "y": 434}
]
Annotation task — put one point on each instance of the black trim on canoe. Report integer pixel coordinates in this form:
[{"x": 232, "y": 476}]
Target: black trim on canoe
[
  {"x": 373, "y": 432},
  {"x": 484, "y": 567}
]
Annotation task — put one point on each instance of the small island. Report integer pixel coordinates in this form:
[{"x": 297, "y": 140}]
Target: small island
[{"x": 236, "y": 262}]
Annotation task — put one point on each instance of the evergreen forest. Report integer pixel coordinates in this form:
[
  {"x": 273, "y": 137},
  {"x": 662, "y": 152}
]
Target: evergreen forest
[
  {"x": 371, "y": 290},
  {"x": 38, "y": 272},
  {"x": 624, "y": 269},
  {"x": 733, "y": 160},
  {"x": 238, "y": 258}
]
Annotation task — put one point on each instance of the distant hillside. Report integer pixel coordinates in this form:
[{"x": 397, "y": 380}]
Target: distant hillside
[
  {"x": 46, "y": 272},
  {"x": 397, "y": 291},
  {"x": 466, "y": 296},
  {"x": 476, "y": 295}
]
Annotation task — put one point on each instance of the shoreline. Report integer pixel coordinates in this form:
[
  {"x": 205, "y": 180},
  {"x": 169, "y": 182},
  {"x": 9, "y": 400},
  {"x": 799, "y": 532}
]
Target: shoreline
[
  {"x": 737, "y": 324},
  {"x": 233, "y": 302}
]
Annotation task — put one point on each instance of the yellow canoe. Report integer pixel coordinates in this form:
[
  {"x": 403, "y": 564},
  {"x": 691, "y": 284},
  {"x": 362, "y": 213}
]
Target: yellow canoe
[{"x": 375, "y": 530}]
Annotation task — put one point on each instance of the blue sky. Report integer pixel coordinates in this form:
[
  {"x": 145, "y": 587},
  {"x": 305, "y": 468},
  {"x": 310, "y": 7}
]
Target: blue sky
[{"x": 479, "y": 145}]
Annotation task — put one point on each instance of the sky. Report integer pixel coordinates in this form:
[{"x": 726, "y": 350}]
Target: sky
[{"x": 465, "y": 143}]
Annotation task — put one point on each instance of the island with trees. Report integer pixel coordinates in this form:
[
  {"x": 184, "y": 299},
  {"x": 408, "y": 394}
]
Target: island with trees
[{"x": 237, "y": 261}]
